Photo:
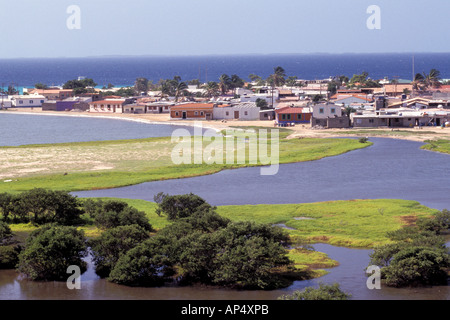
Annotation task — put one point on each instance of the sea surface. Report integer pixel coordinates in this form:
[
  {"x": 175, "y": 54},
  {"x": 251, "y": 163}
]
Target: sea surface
[{"x": 123, "y": 70}]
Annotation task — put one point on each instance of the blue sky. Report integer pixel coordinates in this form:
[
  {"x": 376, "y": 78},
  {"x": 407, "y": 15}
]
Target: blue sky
[{"x": 37, "y": 28}]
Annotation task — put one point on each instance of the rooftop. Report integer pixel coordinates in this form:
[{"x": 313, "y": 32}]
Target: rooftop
[
  {"x": 108, "y": 101},
  {"x": 290, "y": 110},
  {"x": 193, "y": 106}
]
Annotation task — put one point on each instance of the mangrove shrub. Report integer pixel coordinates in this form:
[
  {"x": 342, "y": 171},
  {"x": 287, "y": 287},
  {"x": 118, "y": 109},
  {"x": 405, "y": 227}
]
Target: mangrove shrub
[
  {"x": 112, "y": 244},
  {"x": 417, "y": 256},
  {"x": 40, "y": 206},
  {"x": 114, "y": 213},
  {"x": 50, "y": 250},
  {"x": 324, "y": 292}
]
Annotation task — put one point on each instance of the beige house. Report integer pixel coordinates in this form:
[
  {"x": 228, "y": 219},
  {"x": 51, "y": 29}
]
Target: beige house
[
  {"x": 52, "y": 94},
  {"x": 109, "y": 105}
]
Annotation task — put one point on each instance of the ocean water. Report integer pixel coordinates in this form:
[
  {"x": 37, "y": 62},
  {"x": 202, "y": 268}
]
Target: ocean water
[{"x": 122, "y": 71}]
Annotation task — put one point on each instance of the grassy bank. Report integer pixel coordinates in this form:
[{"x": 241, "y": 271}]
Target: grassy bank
[
  {"x": 385, "y": 132},
  {"x": 441, "y": 145},
  {"x": 356, "y": 223},
  {"x": 110, "y": 164}
]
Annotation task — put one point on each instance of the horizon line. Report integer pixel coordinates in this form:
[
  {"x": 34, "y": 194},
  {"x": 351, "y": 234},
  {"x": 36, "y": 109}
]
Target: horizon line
[{"x": 222, "y": 55}]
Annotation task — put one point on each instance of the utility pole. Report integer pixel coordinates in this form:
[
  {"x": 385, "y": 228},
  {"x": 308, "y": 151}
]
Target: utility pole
[
  {"x": 3, "y": 96},
  {"x": 395, "y": 85}
]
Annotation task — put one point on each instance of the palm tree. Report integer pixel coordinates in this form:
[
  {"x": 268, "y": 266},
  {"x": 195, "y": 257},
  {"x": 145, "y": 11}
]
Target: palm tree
[
  {"x": 166, "y": 88},
  {"x": 224, "y": 83},
  {"x": 179, "y": 87},
  {"x": 418, "y": 82},
  {"x": 211, "y": 88},
  {"x": 276, "y": 79},
  {"x": 236, "y": 82},
  {"x": 256, "y": 79},
  {"x": 432, "y": 79}
]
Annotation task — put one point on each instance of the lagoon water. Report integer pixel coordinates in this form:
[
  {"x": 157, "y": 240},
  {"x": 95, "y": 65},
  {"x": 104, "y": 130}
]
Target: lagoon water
[
  {"x": 388, "y": 169},
  {"x": 21, "y": 129}
]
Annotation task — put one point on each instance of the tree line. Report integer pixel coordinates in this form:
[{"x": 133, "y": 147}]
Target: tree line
[
  {"x": 227, "y": 84},
  {"x": 198, "y": 246}
]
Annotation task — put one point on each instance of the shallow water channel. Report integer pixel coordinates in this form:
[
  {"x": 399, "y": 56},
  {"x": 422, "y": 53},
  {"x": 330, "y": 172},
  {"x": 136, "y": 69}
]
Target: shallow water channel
[{"x": 349, "y": 274}]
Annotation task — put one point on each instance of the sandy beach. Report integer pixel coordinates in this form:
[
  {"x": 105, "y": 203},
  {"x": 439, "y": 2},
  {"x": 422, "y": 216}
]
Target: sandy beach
[{"x": 300, "y": 130}]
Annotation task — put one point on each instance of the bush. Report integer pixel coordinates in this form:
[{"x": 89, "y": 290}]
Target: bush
[
  {"x": 9, "y": 256},
  {"x": 439, "y": 223},
  {"x": 324, "y": 292},
  {"x": 114, "y": 243},
  {"x": 5, "y": 233},
  {"x": 417, "y": 266},
  {"x": 50, "y": 250},
  {"x": 363, "y": 140},
  {"x": 41, "y": 206},
  {"x": 243, "y": 254},
  {"x": 418, "y": 256},
  {"x": 145, "y": 265},
  {"x": 111, "y": 214},
  {"x": 6, "y": 205},
  {"x": 179, "y": 206}
]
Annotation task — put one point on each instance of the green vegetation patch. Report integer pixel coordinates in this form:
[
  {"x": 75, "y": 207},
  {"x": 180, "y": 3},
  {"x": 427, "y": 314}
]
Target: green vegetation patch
[
  {"x": 381, "y": 132},
  {"x": 354, "y": 223},
  {"x": 311, "y": 261},
  {"x": 441, "y": 145}
]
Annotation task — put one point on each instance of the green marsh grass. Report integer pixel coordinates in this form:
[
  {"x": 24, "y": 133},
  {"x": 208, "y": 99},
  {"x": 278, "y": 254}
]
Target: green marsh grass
[
  {"x": 110, "y": 164},
  {"x": 349, "y": 223},
  {"x": 355, "y": 223},
  {"x": 441, "y": 145}
]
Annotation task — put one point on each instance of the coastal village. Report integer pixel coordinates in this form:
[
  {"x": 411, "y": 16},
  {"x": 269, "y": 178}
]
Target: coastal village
[{"x": 338, "y": 102}]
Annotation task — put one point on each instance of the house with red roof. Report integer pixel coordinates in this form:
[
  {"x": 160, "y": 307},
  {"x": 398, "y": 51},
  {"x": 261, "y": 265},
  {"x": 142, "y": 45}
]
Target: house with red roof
[{"x": 291, "y": 115}]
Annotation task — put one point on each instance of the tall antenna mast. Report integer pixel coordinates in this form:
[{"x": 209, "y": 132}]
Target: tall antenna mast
[{"x": 413, "y": 76}]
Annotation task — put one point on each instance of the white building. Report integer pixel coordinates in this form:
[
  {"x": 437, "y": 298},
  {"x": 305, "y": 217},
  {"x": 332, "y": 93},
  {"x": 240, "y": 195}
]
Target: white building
[
  {"x": 108, "y": 105},
  {"x": 264, "y": 96},
  {"x": 311, "y": 89},
  {"x": 241, "y": 111},
  {"x": 5, "y": 101},
  {"x": 27, "y": 101},
  {"x": 326, "y": 110}
]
